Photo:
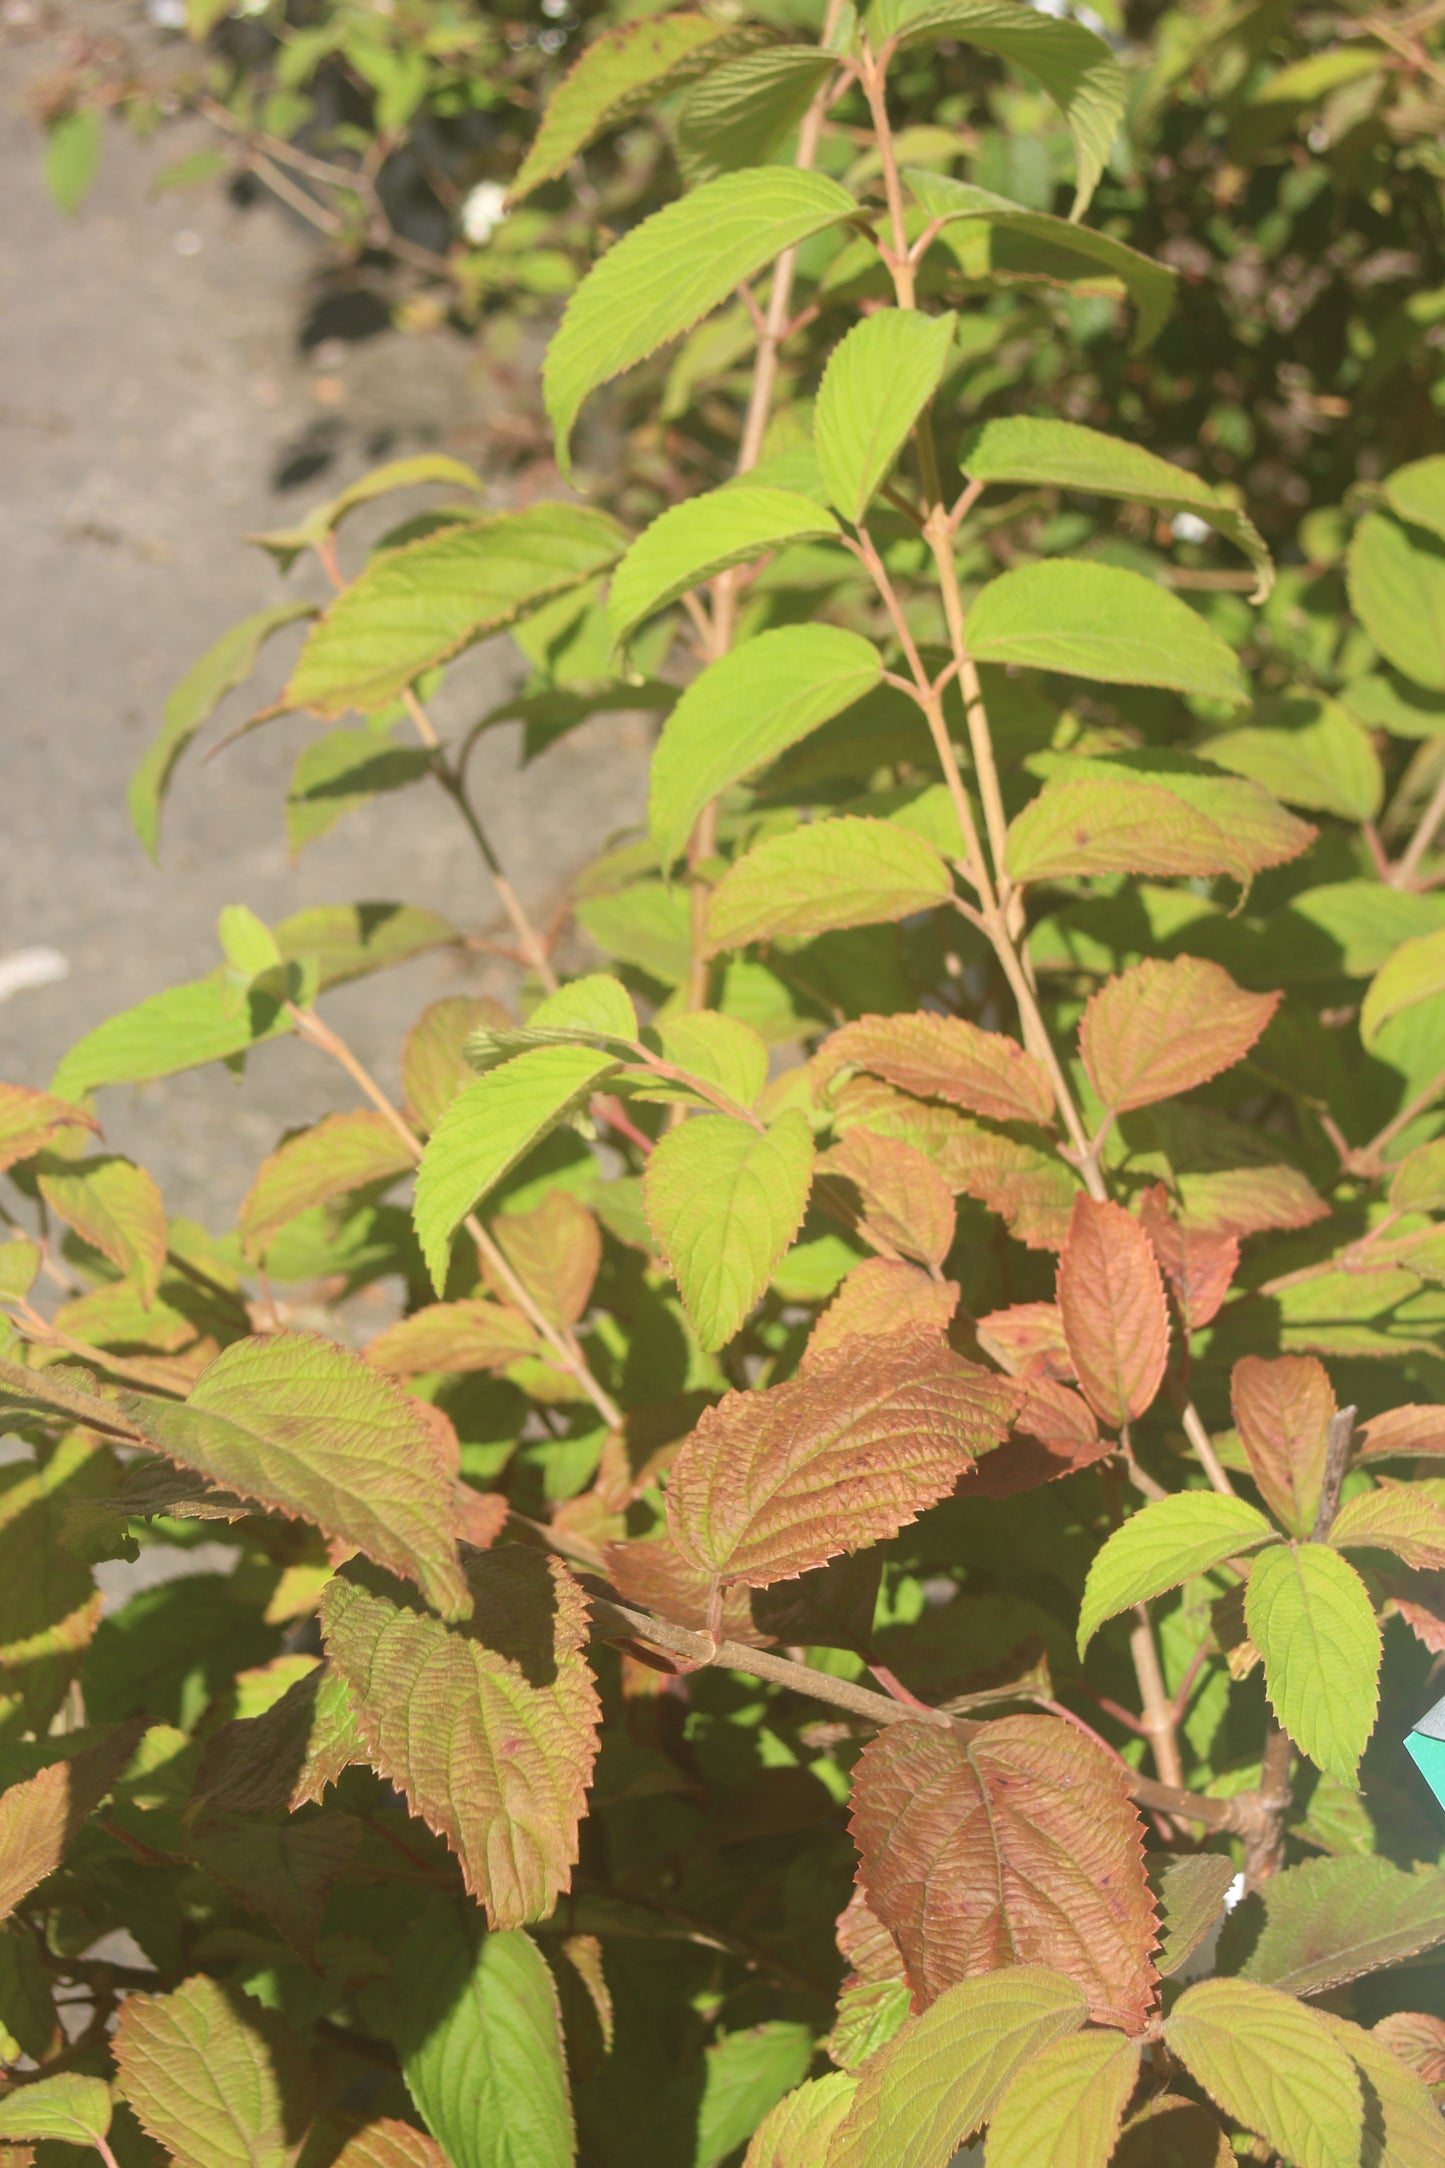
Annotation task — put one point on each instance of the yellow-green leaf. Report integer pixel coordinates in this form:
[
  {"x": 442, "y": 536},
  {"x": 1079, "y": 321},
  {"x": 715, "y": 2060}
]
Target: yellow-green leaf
[
  {"x": 1274, "y": 2065},
  {"x": 216, "y": 2079},
  {"x": 1098, "y": 621},
  {"x": 1065, "y": 2107},
  {"x": 1309, "y": 1614},
  {"x": 828, "y": 874},
  {"x": 878, "y": 380},
  {"x": 724, "y": 1200},
  {"x": 1162, "y": 1545},
  {"x": 689, "y": 543}
]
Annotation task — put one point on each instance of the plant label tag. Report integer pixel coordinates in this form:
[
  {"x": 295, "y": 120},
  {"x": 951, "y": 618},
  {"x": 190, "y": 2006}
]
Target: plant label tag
[{"x": 1426, "y": 1748}]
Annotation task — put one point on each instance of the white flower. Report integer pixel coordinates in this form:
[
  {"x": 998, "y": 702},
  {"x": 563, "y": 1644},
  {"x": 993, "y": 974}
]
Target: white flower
[
  {"x": 1189, "y": 527},
  {"x": 483, "y": 212}
]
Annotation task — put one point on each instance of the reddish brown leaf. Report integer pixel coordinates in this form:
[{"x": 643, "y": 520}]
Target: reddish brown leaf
[
  {"x": 882, "y": 1295},
  {"x": 1419, "y": 1599},
  {"x": 555, "y": 1251},
  {"x": 283, "y": 1759},
  {"x": 1162, "y": 1027},
  {"x": 653, "y": 1574},
  {"x": 864, "y": 1943},
  {"x": 892, "y": 1194},
  {"x": 1409, "y": 1433},
  {"x": 1116, "y": 1322},
  {"x": 1027, "y": 1340},
  {"x": 1419, "y": 2041},
  {"x": 943, "y": 1057},
  {"x": 1282, "y": 1410},
  {"x": 1054, "y": 1434},
  {"x": 29, "y": 1119},
  {"x": 341, "y": 1153},
  {"x": 471, "y": 1335},
  {"x": 772, "y": 1483},
  {"x": 1019, "y": 1846},
  {"x": 40, "y": 1815},
  {"x": 481, "y": 1516},
  {"x": 1198, "y": 1266},
  {"x": 433, "y": 1062}
]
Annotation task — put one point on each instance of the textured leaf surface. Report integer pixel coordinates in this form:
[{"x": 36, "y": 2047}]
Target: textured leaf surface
[
  {"x": 892, "y": 1194},
  {"x": 214, "y": 2077},
  {"x": 1395, "y": 1520},
  {"x": 1397, "y": 591},
  {"x": 1099, "y": 621},
  {"x": 1403, "y": 2125},
  {"x": 673, "y": 269},
  {"x": 799, "y": 2130},
  {"x": 1163, "y": 1027},
  {"x": 717, "y": 1049},
  {"x": 595, "y": 1011},
  {"x": 284, "y": 1758},
  {"x": 1163, "y": 1544},
  {"x": 555, "y": 1250},
  {"x": 1171, "y": 2132},
  {"x": 1414, "y": 973},
  {"x": 690, "y": 542},
  {"x": 305, "y": 1427},
  {"x": 932, "y": 2087},
  {"x": 1065, "y": 2107},
  {"x": 59, "y": 1395},
  {"x": 619, "y": 74},
  {"x": 1018, "y": 1847},
  {"x": 879, "y": 379},
  {"x": 743, "y": 110},
  {"x": 65, "y": 2107},
  {"x": 772, "y": 1483},
  {"x": 1331, "y": 1920},
  {"x": 942, "y": 1057},
  {"x": 724, "y": 1200},
  {"x": 881, "y": 1296},
  {"x": 1412, "y": 1432},
  {"x": 479, "y": 2031},
  {"x": 487, "y": 1129},
  {"x": 490, "y": 1729},
  {"x": 1152, "y": 822},
  {"x": 1310, "y": 1616},
  {"x": 1199, "y": 1266},
  {"x": 470, "y": 1335},
  {"x": 1273, "y": 2065},
  {"x": 415, "y": 606},
  {"x": 388, "y": 2143},
  {"x": 284, "y": 1875},
  {"x": 40, "y": 1815},
  {"x": 341, "y": 1153},
  {"x": 117, "y": 1208},
  {"x": 1309, "y": 751},
  {"x": 433, "y": 1058},
  {"x": 1191, "y": 1902},
  {"x": 29, "y": 1119},
  {"x": 1116, "y": 1321},
  {"x": 1030, "y": 448},
  {"x": 745, "y": 709},
  {"x": 829, "y": 874},
  {"x": 1417, "y": 2039},
  {"x": 1076, "y": 68}
]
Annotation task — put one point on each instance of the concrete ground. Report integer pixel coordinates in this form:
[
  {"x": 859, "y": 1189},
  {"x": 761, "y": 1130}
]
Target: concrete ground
[{"x": 155, "y": 406}]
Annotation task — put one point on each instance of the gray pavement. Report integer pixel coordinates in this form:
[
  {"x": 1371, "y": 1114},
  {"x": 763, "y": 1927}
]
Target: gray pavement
[{"x": 153, "y": 401}]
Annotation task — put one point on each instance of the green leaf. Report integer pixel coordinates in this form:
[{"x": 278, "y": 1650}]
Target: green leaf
[
  {"x": 341, "y": 771},
  {"x": 1046, "y": 247},
  {"x": 925, "y": 2094},
  {"x": 228, "y": 664},
  {"x": 1397, "y": 591},
  {"x": 1309, "y": 751},
  {"x": 1191, "y": 1902},
  {"x": 305, "y": 1427},
  {"x": 477, "y": 2025},
  {"x": 488, "y": 1128},
  {"x": 216, "y": 2079},
  {"x": 1076, "y": 68},
  {"x": 1163, "y": 1544},
  {"x": 116, "y": 1207},
  {"x": 282, "y": 1874},
  {"x": 1393, "y": 1519},
  {"x": 417, "y": 606},
  {"x": 1383, "y": 700},
  {"x": 828, "y": 874},
  {"x": 1098, "y": 621},
  {"x": 1418, "y": 1183},
  {"x": 1275, "y": 2066},
  {"x": 724, "y": 1200},
  {"x": 1065, "y": 2107},
  {"x": 72, "y": 154},
  {"x": 1332, "y": 1920},
  {"x": 350, "y": 940},
  {"x": 671, "y": 270},
  {"x": 720, "y": 1050},
  {"x": 1309, "y": 1615},
  {"x": 1414, "y": 973},
  {"x": 593, "y": 1011},
  {"x": 877, "y": 383},
  {"x": 1403, "y": 2126},
  {"x": 627, "y": 68},
  {"x": 1116, "y": 818},
  {"x": 1417, "y": 493},
  {"x": 1026, "y": 448},
  {"x": 287, "y": 543},
  {"x": 743, "y": 110},
  {"x": 490, "y": 1729},
  {"x": 67, "y": 2107},
  {"x": 799, "y": 2130},
  {"x": 745, "y": 709},
  {"x": 30, "y": 1119},
  {"x": 744, "y": 2075},
  {"x": 687, "y": 544},
  {"x": 648, "y": 924},
  {"x": 341, "y": 1153}
]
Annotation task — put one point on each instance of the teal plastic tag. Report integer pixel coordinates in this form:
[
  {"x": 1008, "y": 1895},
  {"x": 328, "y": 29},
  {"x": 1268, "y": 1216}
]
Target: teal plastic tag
[{"x": 1426, "y": 1747}]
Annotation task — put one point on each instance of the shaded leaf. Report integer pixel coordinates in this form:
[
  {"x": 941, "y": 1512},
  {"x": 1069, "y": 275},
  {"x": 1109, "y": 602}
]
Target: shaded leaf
[
  {"x": 828, "y": 874},
  {"x": 1191, "y": 1903},
  {"x": 745, "y": 709},
  {"x": 652, "y": 1572},
  {"x": 942, "y": 1057},
  {"x": 1403, "y": 2127},
  {"x": 346, "y": 769},
  {"x": 1066, "y": 2106},
  {"x": 304, "y": 1427},
  {"x": 1098, "y": 621},
  {"x": 1016, "y": 1847},
  {"x": 1162, "y": 1545},
  {"x": 1163, "y": 1027},
  {"x": 1397, "y": 591},
  {"x": 29, "y": 1119},
  {"x": 390, "y": 2144},
  {"x": 1199, "y": 1266},
  {"x": 689, "y": 543},
  {"x": 1273, "y": 2065},
  {"x": 1331, "y": 1920},
  {"x": 341, "y": 1153},
  {"x": 1309, "y": 1615},
  {"x": 433, "y": 1059},
  {"x": 284, "y": 1875},
  {"x": 1309, "y": 751},
  {"x": 41, "y": 1815},
  {"x": 555, "y": 1250},
  {"x": 892, "y": 1194},
  {"x": 1170, "y": 2132},
  {"x": 215, "y": 2078},
  {"x": 772, "y": 1483},
  {"x": 66, "y": 2107},
  {"x": 880, "y": 1296},
  {"x": 1414, "y": 973},
  {"x": 880, "y": 376},
  {"x": 116, "y": 1207},
  {"x": 1283, "y": 1411},
  {"x": 1111, "y": 1300},
  {"x": 490, "y": 1729},
  {"x": 59, "y": 1394},
  {"x": 724, "y": 1200},
  {"x": 744, "y": 109},
  {"x": 798, "y": 2131},
  {"x": 284, "y": 1758}
]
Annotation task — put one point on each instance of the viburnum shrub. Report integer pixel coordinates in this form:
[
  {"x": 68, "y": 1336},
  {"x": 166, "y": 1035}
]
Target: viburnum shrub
[{"x": 869, "y": 1594}]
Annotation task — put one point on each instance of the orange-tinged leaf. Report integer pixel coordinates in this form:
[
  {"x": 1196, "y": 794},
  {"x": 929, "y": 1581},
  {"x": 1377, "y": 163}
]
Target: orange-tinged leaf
[
  {"x": 1199, "y": 1266},
  {"x": 1019, "y": 1846},
  {"x": 434, "y": 1065},
  {"x": 29, "y": 1119},
  {"x": 942, "y": 1057},
  {"x": 40, "y": 1815},
  {"x": 555, "y": 1250},
  {"x": 864, "y": 1943},
  {"x": 117, "y": 1208},
  {"x": 1418, "y": 2038},
  {"x": 1409, "y": 1433},
  {"x": 1027, "y": 1339},
  {"x": 1116, "y": 1322},
  {"x": 1393, "y": 1519},
  {"x": 1132, "y": 823},
  {"x": 1162, "y": 1027},
  {"x": 390, "y": 2144},
  {"x": 469, "y": 1335},
  {"x": 1026, "y": 1183},
  {"x": 306, "y": 1428},
  {"x": 892, "y": 1194},
  {"x": 652, "y": 1572},
  {"x": 1282, "y": 1410},
  {"x": 882, "y": 1295},
  {"x": 490, "y": 1729},
  {"x": 770, "y": 1484},
  {"x": 1054, "y": 1434},
  {"x": 216, "y": 2079},
  {"x": 341, "y": 1153},
  {"x": 284, "y": 1758}
]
